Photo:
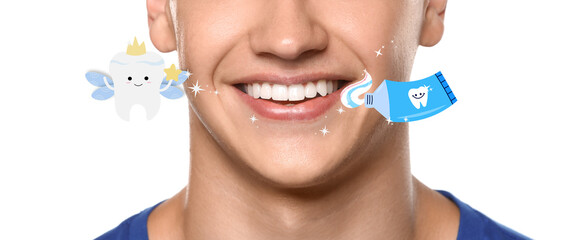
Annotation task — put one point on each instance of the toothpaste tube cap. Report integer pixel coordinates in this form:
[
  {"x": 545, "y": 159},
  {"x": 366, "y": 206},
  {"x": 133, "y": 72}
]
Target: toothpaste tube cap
[
  {"x": 379, "y": 100},
  {"x": 369, "y": 100}
]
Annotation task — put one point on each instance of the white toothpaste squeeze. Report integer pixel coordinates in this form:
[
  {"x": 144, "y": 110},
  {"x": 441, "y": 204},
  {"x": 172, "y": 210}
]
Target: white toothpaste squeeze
[{"x": 350, "y": 95}]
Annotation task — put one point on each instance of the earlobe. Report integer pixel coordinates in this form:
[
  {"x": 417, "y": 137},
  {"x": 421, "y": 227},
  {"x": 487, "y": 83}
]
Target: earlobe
[
  {"x": 160, "y": 24},
  {"x": 433, "y": 27}
]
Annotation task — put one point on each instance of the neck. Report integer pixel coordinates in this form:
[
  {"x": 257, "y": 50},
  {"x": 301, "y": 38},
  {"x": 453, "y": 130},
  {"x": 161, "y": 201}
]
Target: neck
[{"x": 379, "y": 200}]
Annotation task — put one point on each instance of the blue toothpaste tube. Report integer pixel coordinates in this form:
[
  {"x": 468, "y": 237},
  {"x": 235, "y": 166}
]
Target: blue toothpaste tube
[{"x": 407, "y": 101}]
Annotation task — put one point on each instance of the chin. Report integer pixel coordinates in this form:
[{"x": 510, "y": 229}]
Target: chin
[{"x": 295, "y": 166}]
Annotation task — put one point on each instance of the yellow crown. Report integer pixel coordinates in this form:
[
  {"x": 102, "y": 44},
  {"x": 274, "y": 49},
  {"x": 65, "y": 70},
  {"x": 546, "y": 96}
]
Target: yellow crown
[{"x": 135, "y": 49}]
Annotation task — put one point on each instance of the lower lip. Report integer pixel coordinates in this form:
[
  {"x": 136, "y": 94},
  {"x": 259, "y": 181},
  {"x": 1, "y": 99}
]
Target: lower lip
[{"x": 307, "y": 110}]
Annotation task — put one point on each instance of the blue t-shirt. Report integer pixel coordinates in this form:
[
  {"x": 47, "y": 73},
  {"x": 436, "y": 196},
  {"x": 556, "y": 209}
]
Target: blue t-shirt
[{"x": 473, "y": 225}]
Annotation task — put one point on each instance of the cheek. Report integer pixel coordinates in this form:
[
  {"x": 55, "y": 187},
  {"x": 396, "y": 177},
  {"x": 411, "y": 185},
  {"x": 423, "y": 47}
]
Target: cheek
[
  {"x": 364, "y": 27},
  {"x": 207, "y": 107},
  {"x": 128, "y": 82},
  {"x": 208, "y": 30}
]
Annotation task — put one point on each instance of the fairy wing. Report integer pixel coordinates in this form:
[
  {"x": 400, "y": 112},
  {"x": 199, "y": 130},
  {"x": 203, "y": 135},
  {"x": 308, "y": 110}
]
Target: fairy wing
[
  {"x": 102, "y": 93},
  {"x": 96, "y": 79},
  {"x": 182, "y": 77},
  {"x": 172, "y": 93}
]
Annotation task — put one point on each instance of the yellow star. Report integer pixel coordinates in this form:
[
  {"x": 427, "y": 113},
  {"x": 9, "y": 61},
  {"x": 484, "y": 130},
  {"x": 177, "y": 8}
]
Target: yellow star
[{"x": 172, "y": 73}]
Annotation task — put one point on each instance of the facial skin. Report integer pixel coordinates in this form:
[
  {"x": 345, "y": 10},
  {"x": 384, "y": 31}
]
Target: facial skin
[{"x": 223, "y": 42}]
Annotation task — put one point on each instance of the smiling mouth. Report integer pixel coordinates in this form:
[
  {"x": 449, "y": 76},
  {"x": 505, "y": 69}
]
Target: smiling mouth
[
  {"x": 290, "y": 95},
  {"x": 298, "y": 101},
  {"x": 138, "y": 85},
  {"x": 421, "y": 96}
]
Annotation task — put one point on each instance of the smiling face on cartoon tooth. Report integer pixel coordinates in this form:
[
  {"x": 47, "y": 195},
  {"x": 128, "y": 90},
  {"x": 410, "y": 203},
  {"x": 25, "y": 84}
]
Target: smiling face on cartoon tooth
[
  {"x": 137, "y": 72},
  {"x": 418, "y": 96}
]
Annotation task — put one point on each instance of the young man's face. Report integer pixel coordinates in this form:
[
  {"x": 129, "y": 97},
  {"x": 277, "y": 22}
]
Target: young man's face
[{"x": 230, "y": 44}]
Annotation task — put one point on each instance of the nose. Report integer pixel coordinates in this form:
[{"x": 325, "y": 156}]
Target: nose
[{"x": 287, "y": 31}]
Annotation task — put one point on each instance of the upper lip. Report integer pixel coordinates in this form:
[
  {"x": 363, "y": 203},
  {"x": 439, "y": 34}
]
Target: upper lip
[{"x": 275, "y": 78}]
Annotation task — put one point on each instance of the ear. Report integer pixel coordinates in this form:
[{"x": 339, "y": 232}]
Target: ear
[
  {"x": 160, "y": 24},
  {"x": 433, "y": 26}
]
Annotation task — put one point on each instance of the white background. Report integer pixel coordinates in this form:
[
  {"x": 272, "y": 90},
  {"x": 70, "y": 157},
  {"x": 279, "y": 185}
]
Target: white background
[{"x": 511, "y": 147}]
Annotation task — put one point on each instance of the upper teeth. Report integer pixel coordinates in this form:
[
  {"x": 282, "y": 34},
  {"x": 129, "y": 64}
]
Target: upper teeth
[{"x": 294, "y": 92}]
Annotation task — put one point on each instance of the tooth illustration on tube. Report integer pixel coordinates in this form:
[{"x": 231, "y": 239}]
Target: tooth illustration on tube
[
  {"x": 403, "y": 101},
  {"x": 138, "y": 79},
  {"x": 418, "y": 96}
]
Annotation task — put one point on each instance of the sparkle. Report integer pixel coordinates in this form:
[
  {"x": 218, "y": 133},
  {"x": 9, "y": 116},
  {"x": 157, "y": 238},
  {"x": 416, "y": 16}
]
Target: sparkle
[
  {"x": 196, "y": 88},
  {"x": 406, "y": 119},
  {"x": 389, "y": 121},
  {"x": 216, "y": 92},
  {"x": 340, "y": 110},
  {"x": 188, "y": 74},
  {"x": 378, "y": 52},
  {"x": 253, "y": 119},
  {"x": 324, "y": 131}
]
